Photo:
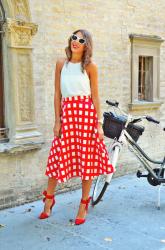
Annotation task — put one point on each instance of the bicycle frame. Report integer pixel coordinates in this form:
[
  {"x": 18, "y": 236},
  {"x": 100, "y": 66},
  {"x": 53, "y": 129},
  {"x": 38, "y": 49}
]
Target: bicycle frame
[
  {"x": 126, "y": 139},
  {"x": 144, "y": 159},
  {"x": 155, "y": 176}
]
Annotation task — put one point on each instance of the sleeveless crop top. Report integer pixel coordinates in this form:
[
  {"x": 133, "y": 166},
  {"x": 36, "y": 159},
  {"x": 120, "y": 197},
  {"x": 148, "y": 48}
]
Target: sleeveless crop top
[{"x": 73, "y": 81}]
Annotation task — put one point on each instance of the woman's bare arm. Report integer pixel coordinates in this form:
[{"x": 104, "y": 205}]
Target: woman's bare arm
[
  {"x": 57, "y": 92},
  {"x": 93, "y": 73}
]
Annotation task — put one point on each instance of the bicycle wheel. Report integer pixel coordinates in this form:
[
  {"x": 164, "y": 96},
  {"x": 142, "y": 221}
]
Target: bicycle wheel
[
  {"x": 99, "y": 189},
  {"x": 103, "y": 181}
]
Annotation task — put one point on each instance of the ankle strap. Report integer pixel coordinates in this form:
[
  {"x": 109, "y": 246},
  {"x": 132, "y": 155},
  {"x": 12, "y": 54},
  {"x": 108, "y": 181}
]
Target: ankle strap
[
  {"x": 86, "y": 202},
  {"x": 48, "y": 196}
]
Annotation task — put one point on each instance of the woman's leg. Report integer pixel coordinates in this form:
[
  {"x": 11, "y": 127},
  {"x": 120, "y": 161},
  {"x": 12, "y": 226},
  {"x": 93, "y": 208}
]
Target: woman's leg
[
  {"x": 52, "y": 183},
  {"x": 86, "y": 186}
]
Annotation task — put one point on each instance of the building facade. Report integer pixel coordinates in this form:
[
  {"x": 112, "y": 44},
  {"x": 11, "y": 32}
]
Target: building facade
[{"x": 129, "y": 50}]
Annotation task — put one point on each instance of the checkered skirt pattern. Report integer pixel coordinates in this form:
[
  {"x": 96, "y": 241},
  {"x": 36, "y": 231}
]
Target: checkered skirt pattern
[{"x": 78, "y": 151}]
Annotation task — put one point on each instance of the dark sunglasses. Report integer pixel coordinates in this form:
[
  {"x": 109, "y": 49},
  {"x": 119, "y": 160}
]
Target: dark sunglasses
[{"x": 75, "y": 37}]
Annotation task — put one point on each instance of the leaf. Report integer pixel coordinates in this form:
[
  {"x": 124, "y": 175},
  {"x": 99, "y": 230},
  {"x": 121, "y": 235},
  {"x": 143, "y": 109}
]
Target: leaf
[
  {"x": 71, "y": 222},
  {"x": 1, "y": 225},
  {"x": 28, "y": 210},
  {"x": 108, "y": 239}
]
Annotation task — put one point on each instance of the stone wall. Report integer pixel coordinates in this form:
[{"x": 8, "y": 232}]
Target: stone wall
[{"x": 22, "y": 174}]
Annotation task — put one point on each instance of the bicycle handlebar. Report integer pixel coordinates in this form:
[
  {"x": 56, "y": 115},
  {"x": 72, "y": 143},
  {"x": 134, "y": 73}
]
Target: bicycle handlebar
[
  {"x": 137, "y": 119},
  {"x": 151, "y": 119},
  {"x": 114, "y": 104}
]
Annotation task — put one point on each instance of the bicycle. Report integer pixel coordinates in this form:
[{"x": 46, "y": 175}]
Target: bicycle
[{"x": 123, "y": 130}]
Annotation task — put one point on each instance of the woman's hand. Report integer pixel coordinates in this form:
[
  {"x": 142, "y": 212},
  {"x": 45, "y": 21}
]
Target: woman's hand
[
  {"x": 57, "y": 128},
  {"x": 100, "y": 131}
]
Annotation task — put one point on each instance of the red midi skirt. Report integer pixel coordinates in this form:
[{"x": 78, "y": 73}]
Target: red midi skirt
[{"x": 78, "y": 151}]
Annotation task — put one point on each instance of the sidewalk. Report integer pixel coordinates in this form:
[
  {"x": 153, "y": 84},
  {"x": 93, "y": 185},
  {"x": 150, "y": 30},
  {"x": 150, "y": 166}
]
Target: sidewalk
[{"x": 126, "y": 219}]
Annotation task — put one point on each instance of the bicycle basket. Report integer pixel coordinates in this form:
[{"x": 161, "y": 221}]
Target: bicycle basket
[{"x": 113, "y": 125}]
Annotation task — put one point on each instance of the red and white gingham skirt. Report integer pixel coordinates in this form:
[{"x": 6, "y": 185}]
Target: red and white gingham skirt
[{"x": 79, "y": 151}]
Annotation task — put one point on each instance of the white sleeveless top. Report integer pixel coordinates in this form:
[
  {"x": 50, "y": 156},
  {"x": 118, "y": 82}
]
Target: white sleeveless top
[{"x": 73, "y": 81}]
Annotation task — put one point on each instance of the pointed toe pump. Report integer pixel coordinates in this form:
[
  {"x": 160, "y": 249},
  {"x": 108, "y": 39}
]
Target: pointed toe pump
[
  {"x": 79, "y": 221},
  {"x": 44, "y": 215}
]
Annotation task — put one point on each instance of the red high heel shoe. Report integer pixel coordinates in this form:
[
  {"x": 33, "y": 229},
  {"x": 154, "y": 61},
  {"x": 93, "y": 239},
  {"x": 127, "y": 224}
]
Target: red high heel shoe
[
  {"x": 79, "y": 221},
  {"x": 44, "y": 215}
]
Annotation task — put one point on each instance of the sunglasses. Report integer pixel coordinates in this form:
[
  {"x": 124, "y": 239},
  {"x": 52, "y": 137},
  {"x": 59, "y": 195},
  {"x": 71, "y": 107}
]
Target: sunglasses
[{"x": 75, "y": 37}]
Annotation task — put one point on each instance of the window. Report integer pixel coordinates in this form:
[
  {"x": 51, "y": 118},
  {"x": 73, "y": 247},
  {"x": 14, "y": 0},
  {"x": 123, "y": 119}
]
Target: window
[
  {"x": 145, "y": 71},
  {"x": 145, "y": 78}
]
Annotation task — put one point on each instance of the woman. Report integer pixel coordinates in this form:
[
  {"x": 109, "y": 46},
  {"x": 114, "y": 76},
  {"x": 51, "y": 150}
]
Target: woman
[{"x": 78, "y": 147}]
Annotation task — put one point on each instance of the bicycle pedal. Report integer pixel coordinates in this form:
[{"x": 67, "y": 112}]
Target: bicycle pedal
[{"x": 139, "y": 174}]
